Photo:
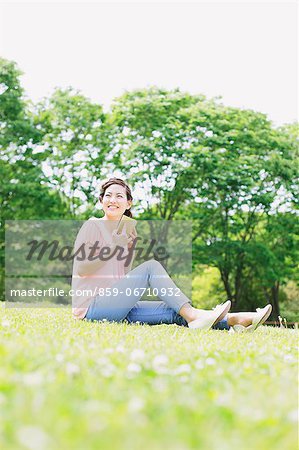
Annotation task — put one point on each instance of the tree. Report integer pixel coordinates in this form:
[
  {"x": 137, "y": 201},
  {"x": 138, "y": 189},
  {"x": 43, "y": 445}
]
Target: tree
[
  {"x": 276, "y": 261},
  {"x": 221, "y": 167},
  {"x": 243, "y": 166},
  {"x": 23, "y": 193},
  {"x": 73, "y": 130},
  {"x": 150, "y": 146}
]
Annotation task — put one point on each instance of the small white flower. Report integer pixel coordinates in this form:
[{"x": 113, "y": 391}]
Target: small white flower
[
  {"x": 136, "y": 404},
  {"x": 199, "y": 365},
  {"x": 137, "y": 354},
  {"x": 32, "y": 437},
  {"x": 108, "y": 370},
  {"x": 289, "y": 358},
  {"x": 120, "y": 349},
  {"x": 223, "y": 399},
  {"x": 3, "y": 88},
  {"x": 59, "y": 357},
  {"x": 72, "y": 369},
  {"x": 159, "y": 384},
  {"x": 33, "y": 379},
  {"x": 183, "y": 368},
  {"x": 103, "y": 361},
  {"x": 293, "y": 416},
  {"x": 126, "y": 131},
  {"x": 210, "y": 362},
  {"x": 159, "y": 364},
  {"x": 160, "y": 360},
  {"x": 108, "y": 351},
  {"x": 184, "y": 379},
  {"x": 5, "y": 323},
  {"x": 67, "y": 135},
  {"x": 134, "y": 368}
]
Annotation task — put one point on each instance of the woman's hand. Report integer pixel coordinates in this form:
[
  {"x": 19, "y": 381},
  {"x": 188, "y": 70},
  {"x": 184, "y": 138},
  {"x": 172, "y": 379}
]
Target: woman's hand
[
  {"x": 122, "y": 239},
  {"x": 132, "y": 236}
]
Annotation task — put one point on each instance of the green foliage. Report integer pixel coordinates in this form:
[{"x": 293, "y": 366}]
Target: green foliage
[
  {"x": 23, "y": 192},
  {"x": 289, "y": 301},
  {"x": 73, "y": 143},
  {"x": 151, "y": 145},
  {"x": 207, "y": 289},
  {"x": 226, "y": 169},
  {"x": 15, "y": 125},
  {"x": 243, "y": 164},
  {"x": 186, "y": 157}
]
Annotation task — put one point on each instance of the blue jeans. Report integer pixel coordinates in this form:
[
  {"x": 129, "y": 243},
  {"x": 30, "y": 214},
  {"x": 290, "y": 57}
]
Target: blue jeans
[{"x": 150, "y": 274}]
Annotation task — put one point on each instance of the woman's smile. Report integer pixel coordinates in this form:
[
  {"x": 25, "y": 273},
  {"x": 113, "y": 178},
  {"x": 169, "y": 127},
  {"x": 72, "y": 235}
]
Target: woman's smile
[{"x": 115, "y": 202}]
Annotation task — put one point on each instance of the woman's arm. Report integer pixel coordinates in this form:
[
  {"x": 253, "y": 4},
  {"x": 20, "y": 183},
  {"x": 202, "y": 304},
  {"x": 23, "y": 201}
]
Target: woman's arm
[
  {"x": 132, "y": 236},
  {"x": 129, "y": 267},
  {"x": 88, "y": 266},
  {"x": 96, "y": 254}
]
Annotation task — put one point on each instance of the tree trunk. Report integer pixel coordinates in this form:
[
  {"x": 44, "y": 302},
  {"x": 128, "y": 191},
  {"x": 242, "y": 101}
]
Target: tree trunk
[
  {"x": 239, "y": 279},
  {"x": 225, "y": 280},
  {"x": 275, "y": 300}
]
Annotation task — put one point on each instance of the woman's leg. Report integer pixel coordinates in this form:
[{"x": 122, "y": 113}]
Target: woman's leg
[
  {"x": 155, "y": 313},
  {"x": 222, "y": 324},
  {"x": 149, "y": 274}
]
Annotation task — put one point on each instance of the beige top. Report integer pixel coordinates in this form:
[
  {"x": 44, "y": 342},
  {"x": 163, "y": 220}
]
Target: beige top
[{"x": 88, "y": 277}]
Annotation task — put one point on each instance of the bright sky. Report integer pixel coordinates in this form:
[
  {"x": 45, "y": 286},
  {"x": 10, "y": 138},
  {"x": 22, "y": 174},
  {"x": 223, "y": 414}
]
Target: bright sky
[{"x": 245, "y": 52}]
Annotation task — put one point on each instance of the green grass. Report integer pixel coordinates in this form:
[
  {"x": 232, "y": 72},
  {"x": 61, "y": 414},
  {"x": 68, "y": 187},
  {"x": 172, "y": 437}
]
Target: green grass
[{"x": 67, "y": 384}]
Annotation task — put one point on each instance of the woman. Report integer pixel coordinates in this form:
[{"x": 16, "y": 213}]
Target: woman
[{"x": 104, "y": 288}]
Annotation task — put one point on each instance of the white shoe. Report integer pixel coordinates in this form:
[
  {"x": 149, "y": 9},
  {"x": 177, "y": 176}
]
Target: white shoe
[
  {"x": 260, "y": 317},
  {"x": 209, "y": 318}
]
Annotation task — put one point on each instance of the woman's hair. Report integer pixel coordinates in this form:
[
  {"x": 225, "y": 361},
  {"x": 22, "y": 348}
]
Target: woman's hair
[{"x": 120, "y": 183}]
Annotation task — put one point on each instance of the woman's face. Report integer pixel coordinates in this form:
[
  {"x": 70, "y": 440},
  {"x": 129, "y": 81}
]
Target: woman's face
[{"x": 115, "y": 202}]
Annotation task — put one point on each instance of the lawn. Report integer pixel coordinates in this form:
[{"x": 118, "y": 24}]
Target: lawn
[{"x": 67, "y": 384}]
